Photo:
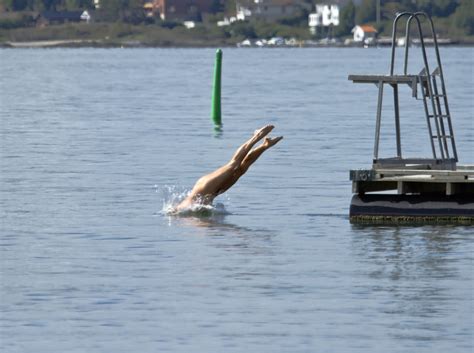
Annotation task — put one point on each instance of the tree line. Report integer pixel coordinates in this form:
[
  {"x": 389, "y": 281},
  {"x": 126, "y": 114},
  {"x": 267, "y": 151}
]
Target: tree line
[{"x": 459, "y": 12}]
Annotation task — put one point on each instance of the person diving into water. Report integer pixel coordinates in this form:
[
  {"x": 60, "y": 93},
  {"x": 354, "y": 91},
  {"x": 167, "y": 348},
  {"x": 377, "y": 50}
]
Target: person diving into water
[{"x": 208, "y": 187}]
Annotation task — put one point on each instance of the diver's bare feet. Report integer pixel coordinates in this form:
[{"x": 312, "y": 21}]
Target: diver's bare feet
[
  {"x": 262, "y": 132},
  {"x": 271, "y": 141}
]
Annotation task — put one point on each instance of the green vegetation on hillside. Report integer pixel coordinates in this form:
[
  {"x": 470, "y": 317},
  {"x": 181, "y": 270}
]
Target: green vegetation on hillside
[{"x": 118, "y": 21}]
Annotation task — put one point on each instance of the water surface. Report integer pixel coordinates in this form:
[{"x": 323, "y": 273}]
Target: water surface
[{"x": 95, "y": 141}]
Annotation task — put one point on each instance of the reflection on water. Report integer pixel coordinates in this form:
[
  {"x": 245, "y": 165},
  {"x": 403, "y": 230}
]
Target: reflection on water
[
  {"x": 211, "y": 221},
  {"x": 218, "y": 132},
  {"x": 255, "y": 240},
  {"x": 413, "y": 269}
]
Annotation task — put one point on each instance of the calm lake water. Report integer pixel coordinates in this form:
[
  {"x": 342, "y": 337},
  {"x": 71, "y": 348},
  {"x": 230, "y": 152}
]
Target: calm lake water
[{"x": 94, "y": 143}]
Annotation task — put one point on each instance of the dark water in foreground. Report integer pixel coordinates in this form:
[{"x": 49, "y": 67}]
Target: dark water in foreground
[{"x": 94, "y": 142}]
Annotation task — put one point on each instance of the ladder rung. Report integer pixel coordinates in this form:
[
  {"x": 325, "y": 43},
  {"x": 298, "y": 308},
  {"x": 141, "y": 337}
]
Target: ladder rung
[
  {"x": 442, "y": 136},
  {"x": 439, "y": 116},
  {"x": 426, "y": 94}
]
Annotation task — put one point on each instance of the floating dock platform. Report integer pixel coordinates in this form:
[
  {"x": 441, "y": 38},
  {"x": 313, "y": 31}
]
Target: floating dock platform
[
  {"x": 421, "y": 195},
  {"x": 426, "y": 189}
]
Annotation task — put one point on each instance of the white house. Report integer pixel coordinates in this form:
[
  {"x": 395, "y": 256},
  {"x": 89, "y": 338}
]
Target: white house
[
  {"x": 85, "y": 16},
  {"x": 364, "y": 33},
  {"x": 269, "y": 10},
  {"x": 325, "y": 15},
  {"x": 243, "y": 12}
]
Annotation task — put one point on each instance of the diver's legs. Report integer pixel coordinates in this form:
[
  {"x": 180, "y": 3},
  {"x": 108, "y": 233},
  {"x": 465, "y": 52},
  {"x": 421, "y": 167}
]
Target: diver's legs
[
  {"x": 251, "y": 157},
  {"x": 257, "y": 152},
  {"x": 223, "y": 178},
  {"x": 243, "y": 150},
  {"x": 217, "y": 182}
]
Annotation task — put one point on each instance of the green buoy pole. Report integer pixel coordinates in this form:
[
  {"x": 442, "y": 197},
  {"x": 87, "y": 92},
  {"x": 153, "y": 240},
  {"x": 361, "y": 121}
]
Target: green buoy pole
[{"x": 216, "y": 92}]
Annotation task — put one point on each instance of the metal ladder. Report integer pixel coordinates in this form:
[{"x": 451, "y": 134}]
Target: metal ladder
[
  {"x": 437, "y": 111},
  {"x": 435, "y": 99},
  {"x": 435, "y": 102}
]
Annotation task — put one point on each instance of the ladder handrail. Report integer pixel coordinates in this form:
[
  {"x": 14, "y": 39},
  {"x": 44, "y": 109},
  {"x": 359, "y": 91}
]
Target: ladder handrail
[
  {"x": 394, "y": 38},
  {"x": 427, "y": 73},
  {"x": 422, "y": 41},
  {"x": 435, "y": 40},
  {"x": 407, "y": 37},
  {"x": 441, "y": 75},
  {"x": 429, "y": 84},
  {"x": 426, "y": 69},
  {"x": 407, "y": 44}
]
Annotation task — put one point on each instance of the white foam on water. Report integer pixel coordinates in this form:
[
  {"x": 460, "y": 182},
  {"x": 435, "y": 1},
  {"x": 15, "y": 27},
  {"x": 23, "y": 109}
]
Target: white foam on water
[{"x": 173, "y": 195}]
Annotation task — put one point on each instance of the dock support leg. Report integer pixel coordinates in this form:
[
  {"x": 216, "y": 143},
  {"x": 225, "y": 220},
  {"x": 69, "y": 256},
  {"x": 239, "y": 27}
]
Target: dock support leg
[
  {"x": 379, "y": 117},
  {"x": 397, "y": 120},
  {"x": 402, "y": 188},
  {"x": 451, "y": 189}
]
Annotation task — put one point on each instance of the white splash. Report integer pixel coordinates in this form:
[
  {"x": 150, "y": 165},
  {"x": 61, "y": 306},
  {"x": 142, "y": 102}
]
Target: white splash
[{"x": 173, "y": 195}]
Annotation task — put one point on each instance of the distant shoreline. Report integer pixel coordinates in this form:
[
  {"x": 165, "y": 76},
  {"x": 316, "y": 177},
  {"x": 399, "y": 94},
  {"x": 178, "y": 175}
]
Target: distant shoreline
[{"x": 92, "y": 43}]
